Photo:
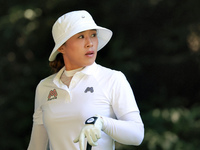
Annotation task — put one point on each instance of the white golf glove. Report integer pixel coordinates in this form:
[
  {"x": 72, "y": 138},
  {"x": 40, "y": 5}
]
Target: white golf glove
[{"x": 91, "y": 131}]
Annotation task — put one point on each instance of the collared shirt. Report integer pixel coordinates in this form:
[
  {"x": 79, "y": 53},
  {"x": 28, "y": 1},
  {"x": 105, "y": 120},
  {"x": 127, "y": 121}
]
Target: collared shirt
[{"x": 94, "y": 90}]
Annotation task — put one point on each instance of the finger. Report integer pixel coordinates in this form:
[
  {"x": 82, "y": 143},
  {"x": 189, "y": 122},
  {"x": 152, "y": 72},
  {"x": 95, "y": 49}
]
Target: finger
[
  {"x": 82, "y": 141},
  {"x": 93, "y": 137},
  {"x": 76, "y": 139},
  {"x": 90, "y": 139},
  {"x": 92, "y": 143},
  {"x": 97, "y": 133}
]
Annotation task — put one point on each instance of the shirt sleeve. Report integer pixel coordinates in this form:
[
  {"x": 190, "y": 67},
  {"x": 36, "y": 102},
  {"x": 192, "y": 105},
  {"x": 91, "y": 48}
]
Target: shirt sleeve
[
  {"x": 37, "y": 116},
  {"x": 123, "y": 99},
  {"x": 39, "y": 138},
  {"x": 129, "y": 129}
]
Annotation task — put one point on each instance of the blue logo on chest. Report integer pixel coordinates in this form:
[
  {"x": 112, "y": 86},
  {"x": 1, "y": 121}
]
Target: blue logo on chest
[{"x": 89, "y": 89}]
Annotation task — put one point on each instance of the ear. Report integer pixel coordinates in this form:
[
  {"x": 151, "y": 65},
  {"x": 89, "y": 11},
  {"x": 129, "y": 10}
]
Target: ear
[{"x": 61, "y": 49}]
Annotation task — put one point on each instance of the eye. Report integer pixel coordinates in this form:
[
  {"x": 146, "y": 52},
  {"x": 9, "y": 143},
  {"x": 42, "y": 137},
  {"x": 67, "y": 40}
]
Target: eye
[
  {"x": 94, "y": 35},
  {"x": 81, "y": 37}
]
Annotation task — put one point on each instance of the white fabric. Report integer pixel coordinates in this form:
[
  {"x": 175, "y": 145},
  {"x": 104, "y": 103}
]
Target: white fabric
[
  {"x": 94, "y": 90},
  {"x": 71, "y": 73},
  {"x": 39, "y": 138},
  {"x": 131, "y": 121},
  {"x": 129, "y": 129}
]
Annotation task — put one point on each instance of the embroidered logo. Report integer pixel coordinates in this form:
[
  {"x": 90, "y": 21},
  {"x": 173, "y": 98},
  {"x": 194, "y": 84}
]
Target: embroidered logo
[
  {"x": 52, "y": 95},
  {"x": 89, "y": 89}
]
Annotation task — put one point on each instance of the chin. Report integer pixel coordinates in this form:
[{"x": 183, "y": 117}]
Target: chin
[{"x": 89, "y": 63}]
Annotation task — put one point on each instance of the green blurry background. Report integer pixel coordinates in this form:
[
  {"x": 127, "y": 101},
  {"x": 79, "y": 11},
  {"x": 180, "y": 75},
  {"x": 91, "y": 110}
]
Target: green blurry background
[{"x": 156, "y": 44}]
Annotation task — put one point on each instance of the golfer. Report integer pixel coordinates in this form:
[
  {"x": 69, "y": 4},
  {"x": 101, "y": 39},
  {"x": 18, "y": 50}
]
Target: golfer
[{"x": 83, "y": 101}]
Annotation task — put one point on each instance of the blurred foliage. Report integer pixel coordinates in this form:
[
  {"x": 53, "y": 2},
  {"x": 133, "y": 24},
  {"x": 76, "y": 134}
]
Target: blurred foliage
[{"x": 156, "y": 43}]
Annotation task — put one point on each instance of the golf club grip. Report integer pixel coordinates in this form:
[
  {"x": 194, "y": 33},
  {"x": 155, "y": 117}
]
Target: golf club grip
[{"x": 89, "y": 147}]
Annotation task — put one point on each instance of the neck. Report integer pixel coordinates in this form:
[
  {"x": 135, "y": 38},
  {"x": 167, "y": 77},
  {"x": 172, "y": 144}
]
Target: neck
[{"x": 70, "y": 73}]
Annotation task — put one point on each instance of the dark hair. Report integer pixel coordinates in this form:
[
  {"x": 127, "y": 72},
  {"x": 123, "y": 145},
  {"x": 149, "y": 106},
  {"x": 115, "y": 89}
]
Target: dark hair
[{"x": 57, "y": 64}]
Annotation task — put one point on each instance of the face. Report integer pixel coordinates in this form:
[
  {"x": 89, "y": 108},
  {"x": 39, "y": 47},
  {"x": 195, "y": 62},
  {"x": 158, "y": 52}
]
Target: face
[{"x": 80, "y": 50}]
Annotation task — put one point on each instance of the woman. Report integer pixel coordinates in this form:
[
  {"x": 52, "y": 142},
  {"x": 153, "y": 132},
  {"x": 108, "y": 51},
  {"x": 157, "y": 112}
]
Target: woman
[{"x": 81, "y": 89}]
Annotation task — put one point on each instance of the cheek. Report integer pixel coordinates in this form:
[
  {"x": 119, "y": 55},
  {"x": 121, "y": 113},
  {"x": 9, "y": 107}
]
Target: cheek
[
  {"x": 96, "y": 42},
  {"x": 70, "y": 49}
]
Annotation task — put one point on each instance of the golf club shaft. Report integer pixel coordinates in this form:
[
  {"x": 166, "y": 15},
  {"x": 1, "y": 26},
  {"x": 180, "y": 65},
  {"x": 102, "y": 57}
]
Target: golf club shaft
[{"x": 89, "y": 147}]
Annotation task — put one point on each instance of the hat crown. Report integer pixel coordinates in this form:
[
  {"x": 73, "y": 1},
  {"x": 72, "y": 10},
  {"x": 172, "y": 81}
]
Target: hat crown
[{"x": 67, "y": 23}]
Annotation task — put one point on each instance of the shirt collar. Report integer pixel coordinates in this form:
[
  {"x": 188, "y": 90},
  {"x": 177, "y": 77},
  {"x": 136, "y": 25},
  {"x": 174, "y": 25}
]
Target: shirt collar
[
  {"x": 57, "y": 80},
  {"x": 88, "y": 70}
]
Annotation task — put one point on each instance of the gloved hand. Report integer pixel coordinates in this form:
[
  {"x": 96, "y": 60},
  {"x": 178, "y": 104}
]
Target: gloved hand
[{"x": 91, "y": 131}]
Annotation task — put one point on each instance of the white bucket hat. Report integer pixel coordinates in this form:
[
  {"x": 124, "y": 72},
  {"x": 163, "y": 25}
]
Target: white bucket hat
[{"x": 72, "y": 23}]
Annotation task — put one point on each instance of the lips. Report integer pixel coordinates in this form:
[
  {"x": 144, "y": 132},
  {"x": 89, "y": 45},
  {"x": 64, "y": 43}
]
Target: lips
[{"x": 90, "y": 53}]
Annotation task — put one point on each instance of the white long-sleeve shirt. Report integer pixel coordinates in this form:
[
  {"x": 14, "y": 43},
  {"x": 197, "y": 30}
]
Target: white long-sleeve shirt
[{"x": 60, "y": 111}]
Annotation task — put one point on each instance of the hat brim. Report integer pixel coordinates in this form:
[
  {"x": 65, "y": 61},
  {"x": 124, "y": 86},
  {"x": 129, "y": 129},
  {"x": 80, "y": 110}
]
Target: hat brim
[{"x": 104, "y": 35}]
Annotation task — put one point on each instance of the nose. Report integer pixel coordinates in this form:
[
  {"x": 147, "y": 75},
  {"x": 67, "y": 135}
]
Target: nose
[{"x": 89, "y": 42}]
